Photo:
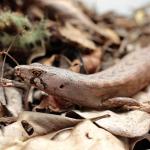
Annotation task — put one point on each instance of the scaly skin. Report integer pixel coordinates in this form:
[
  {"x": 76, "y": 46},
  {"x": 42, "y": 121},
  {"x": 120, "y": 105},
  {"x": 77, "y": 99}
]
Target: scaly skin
[{"x": 125, "y": 79}]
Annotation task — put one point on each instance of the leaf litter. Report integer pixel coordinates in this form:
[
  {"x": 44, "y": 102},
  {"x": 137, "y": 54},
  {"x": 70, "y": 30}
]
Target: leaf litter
[{"x": 68, "y": 35}]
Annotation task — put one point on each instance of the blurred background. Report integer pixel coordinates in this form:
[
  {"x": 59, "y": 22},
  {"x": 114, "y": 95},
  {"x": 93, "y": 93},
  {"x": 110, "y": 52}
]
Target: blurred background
[{"x": 122, "y": 6}]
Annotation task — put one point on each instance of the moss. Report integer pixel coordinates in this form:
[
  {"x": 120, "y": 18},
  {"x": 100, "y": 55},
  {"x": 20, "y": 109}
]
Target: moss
[
  {"x": 28, "y": 39},
  {"x": 13, "y": 20}
]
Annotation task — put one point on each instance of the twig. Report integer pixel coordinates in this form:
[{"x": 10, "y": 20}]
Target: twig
[
  {"x": 100, "y": 117},
  {"x": 11, "y": 83},
  {"x": 6, "y": 54}
]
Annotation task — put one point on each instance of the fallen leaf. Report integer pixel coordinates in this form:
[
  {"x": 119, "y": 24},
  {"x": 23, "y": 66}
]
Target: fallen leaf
[
  {"x": 51, "y": 103},
  {"x": 128, "y": 124},
  {"x": 12, "y": 99},
  {"x": 70, "y": 11},
  {"x": 40, "y": 123},
  {"x": 71, "y": 33},
  {"x": 92, "y": 62},
  {"x": 84, "y": 136}
]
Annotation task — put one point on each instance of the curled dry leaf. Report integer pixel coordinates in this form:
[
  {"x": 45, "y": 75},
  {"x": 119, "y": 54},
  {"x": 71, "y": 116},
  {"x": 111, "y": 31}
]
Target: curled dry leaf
[
  {"x": 12, "y": 100},
  {"x": 76, "y": 66},
  {"x": 63, "y": 61},
  {"x": 77, "y": 36},
  {"x": 92, "y": 62},
  {"x": 128, "y": 124},
  {"x": 84, "y": 136},
  {"x": 30, "y": 124},
  {"x": 53, "y": 104},
  {"x": 38, "y": 52},
  {"x": 34, "y": 13},
  {"x": 70, "y": 11},
  {"x": 48, "y": 102}
]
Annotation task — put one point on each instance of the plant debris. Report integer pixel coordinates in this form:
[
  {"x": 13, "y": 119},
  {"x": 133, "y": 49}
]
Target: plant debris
[{"x": 70, "y": 38}]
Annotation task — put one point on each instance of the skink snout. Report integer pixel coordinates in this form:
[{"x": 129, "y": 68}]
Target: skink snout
[{"x": 17, "y": 71}]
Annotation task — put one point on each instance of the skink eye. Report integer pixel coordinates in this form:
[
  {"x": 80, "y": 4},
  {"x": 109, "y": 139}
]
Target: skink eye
[{"x": 61, "y": 86}]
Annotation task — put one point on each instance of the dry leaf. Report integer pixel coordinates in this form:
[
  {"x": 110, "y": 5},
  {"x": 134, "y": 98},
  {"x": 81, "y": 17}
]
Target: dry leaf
[
  {"x": 61, "y": 61},
  {"x": 70, "y": 11},
  {"x": 38, "y": 52},
  {"x": 92, "y": 62},
  {"x": 77, "y": 36},
  {"x": 53, "y": 104},
  {"x": 12, "y": 100},
  {"x": 30, "y": 124},
  {"x": 76, "y": 66},
  {"x": 128, "y": 124},
  {"x": 83, "y": 137}
]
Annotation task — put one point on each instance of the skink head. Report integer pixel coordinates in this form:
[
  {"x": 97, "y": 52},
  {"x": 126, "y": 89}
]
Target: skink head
[
  {"x": 32, "y": 74},
  {"x": 43, "y": 77}
]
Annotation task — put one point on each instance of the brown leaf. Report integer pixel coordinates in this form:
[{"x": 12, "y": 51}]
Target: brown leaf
[
  {"x": 61, "y": 61},
  {"x": 12, "y": 100},
  {"x": 53, "y": 103},
  {"x": 84, "y": 136},
  {"x": 77, "y": 36},
  {"x": 129, "y": 124},
  {"x": 38, "y": 52},
  {"x": 30, "y": 124},
  {"x": 70, "y": 11},
  {"x": 76, "y": 66},
  {"x": 92, "y": 62}
]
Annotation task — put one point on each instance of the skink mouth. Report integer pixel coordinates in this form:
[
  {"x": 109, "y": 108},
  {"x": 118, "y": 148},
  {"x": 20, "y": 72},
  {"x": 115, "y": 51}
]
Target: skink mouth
[{"x": 18, "y": 73}]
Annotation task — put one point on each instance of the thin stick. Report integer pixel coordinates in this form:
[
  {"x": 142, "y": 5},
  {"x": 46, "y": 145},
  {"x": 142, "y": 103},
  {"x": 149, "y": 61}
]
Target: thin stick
[
  {"x": 10, "y": 83},
  {"x": 15, "y": 61},
  {"x": 100, "y": 117},
  {"x": 9, "y": 48}
]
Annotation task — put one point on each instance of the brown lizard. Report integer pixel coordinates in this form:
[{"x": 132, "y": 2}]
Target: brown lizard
[{"x": 124, "y": 79}]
